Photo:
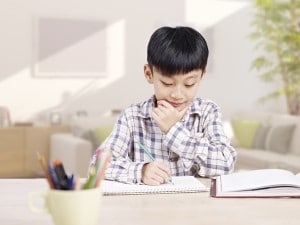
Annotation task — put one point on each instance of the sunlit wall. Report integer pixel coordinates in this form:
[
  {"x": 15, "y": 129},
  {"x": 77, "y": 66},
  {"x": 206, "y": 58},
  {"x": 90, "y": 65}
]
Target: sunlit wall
[{"x": 45, "y": 68}]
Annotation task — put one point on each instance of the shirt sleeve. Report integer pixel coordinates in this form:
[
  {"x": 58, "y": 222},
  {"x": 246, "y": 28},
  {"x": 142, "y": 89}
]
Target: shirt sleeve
[
  {"x": 209, "y": 148},
  {"x": 121, "y": 167}
]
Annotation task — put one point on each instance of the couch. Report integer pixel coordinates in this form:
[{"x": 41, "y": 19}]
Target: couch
[
  {"x": 266, "y": 140},
  {"x": 262, "y": 140},
  {"x": 76, "y": 148}
]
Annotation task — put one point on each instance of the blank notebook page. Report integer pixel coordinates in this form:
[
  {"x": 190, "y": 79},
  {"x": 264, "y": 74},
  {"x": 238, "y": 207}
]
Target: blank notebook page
[{"x": 180, "y": 184}]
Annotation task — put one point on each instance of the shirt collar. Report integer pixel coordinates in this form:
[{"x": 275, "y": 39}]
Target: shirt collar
[{"x": 146, "y": 107}]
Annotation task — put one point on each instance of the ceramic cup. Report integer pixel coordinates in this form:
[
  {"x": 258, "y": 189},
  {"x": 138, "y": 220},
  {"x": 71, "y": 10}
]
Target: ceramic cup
[{"x": 80, "y": 207}]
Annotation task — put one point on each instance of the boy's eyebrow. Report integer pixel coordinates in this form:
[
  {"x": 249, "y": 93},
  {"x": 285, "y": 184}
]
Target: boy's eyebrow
[
  {"x": 193, "y": 76},
  {"x": 188, "y": 77}
]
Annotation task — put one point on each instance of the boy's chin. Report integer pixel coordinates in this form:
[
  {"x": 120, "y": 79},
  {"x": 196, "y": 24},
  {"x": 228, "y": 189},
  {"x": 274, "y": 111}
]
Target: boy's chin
[
  {"x": 180, "y": 108},
  {"x": 183, "y": 107}
]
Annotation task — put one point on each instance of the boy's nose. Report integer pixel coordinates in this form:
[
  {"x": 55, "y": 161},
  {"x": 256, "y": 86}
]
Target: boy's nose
[{"x": 176, "y": 92}]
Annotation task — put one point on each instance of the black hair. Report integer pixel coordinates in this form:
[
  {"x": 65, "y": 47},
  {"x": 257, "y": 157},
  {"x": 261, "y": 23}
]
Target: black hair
[{"x": 177, "y": 50}]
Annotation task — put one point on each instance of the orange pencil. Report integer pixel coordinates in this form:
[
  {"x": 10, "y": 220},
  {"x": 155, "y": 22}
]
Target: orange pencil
[
  {"x": 45, "y": 169},
  {"x": 107, "y": 156}
]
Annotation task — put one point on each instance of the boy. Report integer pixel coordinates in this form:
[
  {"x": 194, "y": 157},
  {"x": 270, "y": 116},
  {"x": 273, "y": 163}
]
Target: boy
[{"x": 183, "y": 133}]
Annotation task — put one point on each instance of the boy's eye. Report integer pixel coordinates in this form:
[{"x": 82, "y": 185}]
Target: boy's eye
[
  {"x": 166, "y": 84},
  {"x": 190, "y": 85}
]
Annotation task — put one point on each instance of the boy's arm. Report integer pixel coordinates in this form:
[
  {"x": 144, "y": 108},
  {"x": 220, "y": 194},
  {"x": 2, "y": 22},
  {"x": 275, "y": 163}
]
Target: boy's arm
[
  {"x": 121, "y": 167},
  {"x": 124, "y": 170},
  {"x": 210, "y": 148}
]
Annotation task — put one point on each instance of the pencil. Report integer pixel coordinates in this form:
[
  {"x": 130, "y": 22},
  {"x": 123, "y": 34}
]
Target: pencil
[
  {"x": 104, "y": 163},
  {"x": 150, "y": 155},
  {"x": 146, "y": 151},
  {"x": 93, "y": 173},
  {"x": 91, "y": 178},
  {"x": 45, "y": 169}
]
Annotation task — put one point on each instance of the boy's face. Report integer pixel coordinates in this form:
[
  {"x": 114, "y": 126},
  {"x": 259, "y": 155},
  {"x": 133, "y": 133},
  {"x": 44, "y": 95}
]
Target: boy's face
[{"x": 179, "y": 90}]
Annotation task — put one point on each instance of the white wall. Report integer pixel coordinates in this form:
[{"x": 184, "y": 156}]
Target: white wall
[
  {"x": 232, "y": 84},
  {"x": 228, "y": 81}
]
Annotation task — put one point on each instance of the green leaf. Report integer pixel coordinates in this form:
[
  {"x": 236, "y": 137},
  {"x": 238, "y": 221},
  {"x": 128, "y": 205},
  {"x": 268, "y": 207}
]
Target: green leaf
[{"x": 276, "y": 37}]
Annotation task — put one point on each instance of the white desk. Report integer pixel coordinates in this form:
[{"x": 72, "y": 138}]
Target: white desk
[{"x": 164, "y": 209}]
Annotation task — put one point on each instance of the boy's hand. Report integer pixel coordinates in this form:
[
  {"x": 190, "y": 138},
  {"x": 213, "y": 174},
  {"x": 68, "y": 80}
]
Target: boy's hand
[
  {"x": 165, "y": 115},
  {"x": 155, "y": 173}
]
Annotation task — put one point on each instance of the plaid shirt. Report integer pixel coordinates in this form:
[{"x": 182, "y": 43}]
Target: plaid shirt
[{"x": 195, "y": 146}]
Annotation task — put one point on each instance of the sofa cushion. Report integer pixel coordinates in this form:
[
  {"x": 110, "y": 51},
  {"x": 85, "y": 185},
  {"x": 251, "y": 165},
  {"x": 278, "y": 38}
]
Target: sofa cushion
[
  {"x": 282, "y": 140},
  {"x": 259, "y": 141},
  {"x": 101, "y": 133},
  {"x": 263, "y": 117},
  {"x": 73, "y": 151},
  {"x": 295, "y": 141},
  {"x": 278, "y": 119},
  {"x": 244, "y": 131},
  {"x": 279, "y": 137},
  {"x": 89, "y": 128}
]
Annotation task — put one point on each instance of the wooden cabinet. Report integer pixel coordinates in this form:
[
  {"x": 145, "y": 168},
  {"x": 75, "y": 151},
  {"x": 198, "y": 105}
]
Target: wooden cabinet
[
  {"x": 19, "y": 147},
  {"x": 11, "y": 151}
]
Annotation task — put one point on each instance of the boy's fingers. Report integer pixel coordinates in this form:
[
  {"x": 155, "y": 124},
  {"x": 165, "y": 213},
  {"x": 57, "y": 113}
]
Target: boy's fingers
[
  {"x": 164, "y": 171},
  {"x": 165, "y": 104}
]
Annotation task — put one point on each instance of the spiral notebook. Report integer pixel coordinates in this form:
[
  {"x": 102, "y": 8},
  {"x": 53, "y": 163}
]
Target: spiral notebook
[{"x": 180, "y": 184}]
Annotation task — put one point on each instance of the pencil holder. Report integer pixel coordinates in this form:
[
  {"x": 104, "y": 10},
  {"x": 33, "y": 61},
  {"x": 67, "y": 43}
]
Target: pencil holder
[{"x": 80, "y": 207}]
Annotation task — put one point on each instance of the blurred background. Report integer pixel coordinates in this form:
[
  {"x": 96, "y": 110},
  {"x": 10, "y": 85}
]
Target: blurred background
[
  {"x": 71, "y": 56},
  {"x": 67, "y": 59}
]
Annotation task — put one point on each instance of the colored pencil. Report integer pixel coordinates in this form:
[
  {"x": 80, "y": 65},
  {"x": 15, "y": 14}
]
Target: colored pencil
[{"x": 44, "y": 167}]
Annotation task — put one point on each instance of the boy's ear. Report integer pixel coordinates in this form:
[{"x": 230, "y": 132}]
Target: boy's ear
[
  {"x": 203, "y": 72},
  {"x": 148, "y": 74}
]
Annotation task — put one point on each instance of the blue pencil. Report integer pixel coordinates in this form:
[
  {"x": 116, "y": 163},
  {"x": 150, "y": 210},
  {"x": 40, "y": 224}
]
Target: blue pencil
[
  {"x": 146, "y": 151},
  {"x": 53, "y": 176}
]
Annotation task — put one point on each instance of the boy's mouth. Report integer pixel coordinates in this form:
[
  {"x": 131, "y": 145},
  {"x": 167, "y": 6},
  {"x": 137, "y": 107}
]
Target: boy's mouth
[{"x": 176, "y": 104}]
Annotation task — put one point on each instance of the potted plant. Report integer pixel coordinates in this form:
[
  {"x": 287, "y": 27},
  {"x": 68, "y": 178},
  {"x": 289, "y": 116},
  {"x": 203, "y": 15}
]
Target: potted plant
[{"x": 277, "y": 37}]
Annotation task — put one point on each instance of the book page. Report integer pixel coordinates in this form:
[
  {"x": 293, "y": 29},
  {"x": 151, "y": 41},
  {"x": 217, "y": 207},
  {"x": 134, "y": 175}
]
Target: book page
[
  {"x": 255, "y": 179},
  {"x": 181, "y": 184}
]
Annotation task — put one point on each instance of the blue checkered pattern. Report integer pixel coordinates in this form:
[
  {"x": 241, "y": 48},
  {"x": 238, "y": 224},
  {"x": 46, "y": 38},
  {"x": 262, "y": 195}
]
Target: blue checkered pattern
[{"x": 195, "y": 146}]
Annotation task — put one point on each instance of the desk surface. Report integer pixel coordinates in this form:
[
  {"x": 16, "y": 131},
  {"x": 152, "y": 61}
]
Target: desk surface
[{"x": 164, "y": 209}]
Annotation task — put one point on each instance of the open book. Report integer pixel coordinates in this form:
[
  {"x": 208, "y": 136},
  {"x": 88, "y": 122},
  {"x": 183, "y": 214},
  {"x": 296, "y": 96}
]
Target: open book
[
  {"x": 257, "y": 183},
  {"x": 180, "y": 184}
]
